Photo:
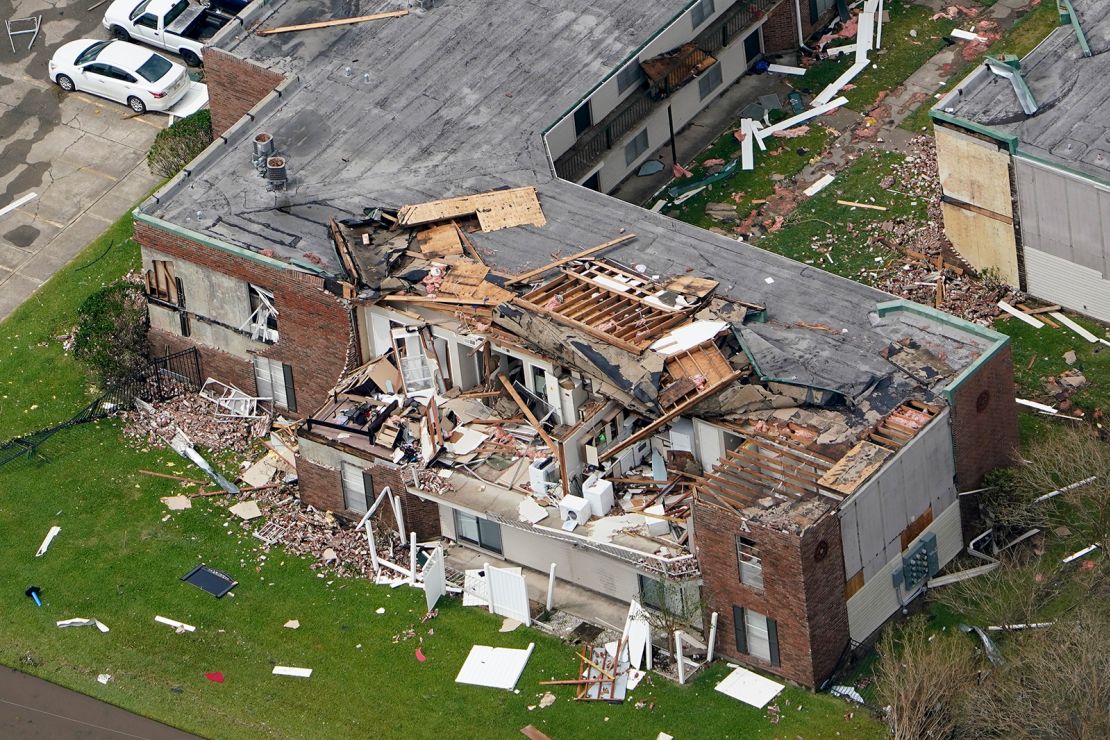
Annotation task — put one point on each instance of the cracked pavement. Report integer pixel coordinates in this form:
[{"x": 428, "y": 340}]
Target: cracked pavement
[{"x": 82, "y": 156}]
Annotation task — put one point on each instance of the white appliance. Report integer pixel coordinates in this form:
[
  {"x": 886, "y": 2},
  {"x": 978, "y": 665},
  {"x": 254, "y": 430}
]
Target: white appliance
[
  {"x": 543, "y": 475},
  {"x": 599, "y": 492},
  {"x": 571, "y": 397},
  {"x": 630, "y": 457},
  {"x": 656, "y": 525},
  {"x": 574, "y": 509}
]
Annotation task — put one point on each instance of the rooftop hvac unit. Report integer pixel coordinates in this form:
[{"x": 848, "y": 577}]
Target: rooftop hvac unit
[
  {"x": 543, "y": 475},
  {"x": 574, "y": 509},
  {"x": 276, "y": 174}
]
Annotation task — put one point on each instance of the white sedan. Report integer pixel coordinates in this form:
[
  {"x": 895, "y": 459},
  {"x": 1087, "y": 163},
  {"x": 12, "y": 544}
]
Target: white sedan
[{"x": 117, "y": 70}]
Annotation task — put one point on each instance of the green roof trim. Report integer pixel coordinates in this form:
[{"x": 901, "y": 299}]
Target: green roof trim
[
  {"x": 1078, "y": 28},
  {"x": 997, "y": 339},
  {"x": 208, "y": 241},
  {"x": 1009, "y": 140}
]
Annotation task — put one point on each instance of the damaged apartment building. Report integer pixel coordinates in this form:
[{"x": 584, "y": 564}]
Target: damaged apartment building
[
  {"x": 379, "y": 242},
  {"x": 1023, "y": 150}
]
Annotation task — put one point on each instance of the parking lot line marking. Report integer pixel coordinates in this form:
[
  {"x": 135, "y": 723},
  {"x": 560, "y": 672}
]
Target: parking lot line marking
[
  {"x": 16, "y": 204},
  {"x": 140, "y": 119},
  {"x": 45, "y": 220},
  {"x": 98, "y": 217},
  {"x": 98, "y": 173},
  {"x": 90, "y": 101}
]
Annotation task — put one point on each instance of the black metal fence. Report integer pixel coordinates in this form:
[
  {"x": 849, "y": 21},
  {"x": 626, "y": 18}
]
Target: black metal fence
[{"x": 162, "y": 379}]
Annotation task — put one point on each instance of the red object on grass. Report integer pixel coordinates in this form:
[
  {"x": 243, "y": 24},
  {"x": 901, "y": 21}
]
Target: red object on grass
[
  {"x": 215, "y": 677},
  {"x": 420, "y": 655}
]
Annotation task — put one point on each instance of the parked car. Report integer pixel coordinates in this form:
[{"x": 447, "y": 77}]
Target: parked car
[
  {"x": 173, "y": 25},
  {"x": 117, "y": 70}
]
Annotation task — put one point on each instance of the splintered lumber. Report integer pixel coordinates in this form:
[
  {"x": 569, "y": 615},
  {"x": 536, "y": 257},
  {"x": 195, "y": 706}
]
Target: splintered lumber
[
  {"x": 334, "y": 22},
  {"x": 181, "y": 478},
  {"x": 1073, "y": 326},
  {"x": 802, "y": 117},
  {"x": 528, "y": 413},
  {"x": 525, "y": 277},
  {"x": 854, "y": 204},
  {"x": 1036, "y": 324},
  {"x": 468, "y": 245}
]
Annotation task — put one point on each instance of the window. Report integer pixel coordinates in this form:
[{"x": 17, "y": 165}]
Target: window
[
  {"x": 756, "y": 635},
  {"x": 417, "y": 372},
  {"x": 635, "y": 148},
  {"x": 160, "y": 281},
  {"x": 478, "y": 531},
  {"x": 583, "y": 119},
  {"x": 356, "y": 485},
  {"x": 274, "y": 380},
  {"x": 98, "y": 69},
  {"x": 751, "y": 565},
  {"x": 139, "y": 9},
  {"x": 701, "y": 12},
  {"x": 155, "y": 68},
  {"x": 677, "y": 598},
  {"x": 148, "y": 21},
  {"x": 262, "y": 323},
  {"x": 91, "y": 52},
  {"x": 629, "y": 77},
  {"x": 709, "y": 81}
]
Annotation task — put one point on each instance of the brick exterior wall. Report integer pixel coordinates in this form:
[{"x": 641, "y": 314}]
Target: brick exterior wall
[
  {"x": 319, "y": 486},
  {"x": 421, "y": 516},
  {"x": 780, "y": 31},
  {"x": 803, "y": 594},
  {"x": 213, "y": 362},
  {"x": 234, "y": 86},
  {"x": 984, "y": 421},
  {"x": 314, "y": 326}
]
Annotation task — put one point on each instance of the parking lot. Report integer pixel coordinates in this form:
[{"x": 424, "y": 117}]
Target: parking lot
[{"x": 82, "y": 157}]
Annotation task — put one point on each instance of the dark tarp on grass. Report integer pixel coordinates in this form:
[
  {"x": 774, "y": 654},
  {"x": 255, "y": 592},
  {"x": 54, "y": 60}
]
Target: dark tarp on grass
[{"x": 213, "y": 581}]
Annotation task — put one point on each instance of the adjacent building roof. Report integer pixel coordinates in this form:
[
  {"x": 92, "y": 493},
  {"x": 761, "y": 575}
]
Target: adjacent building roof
[{"x": 1071, "y": 126}]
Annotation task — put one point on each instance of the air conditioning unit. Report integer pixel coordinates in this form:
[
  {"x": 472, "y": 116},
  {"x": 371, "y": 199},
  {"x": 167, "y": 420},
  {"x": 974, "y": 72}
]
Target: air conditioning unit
[
  {"x": 599, "y": 493},
  {"x": 574, "y": 509},
  {"x": 571, "y": 397},
  {"x": 543, "y": 475}
]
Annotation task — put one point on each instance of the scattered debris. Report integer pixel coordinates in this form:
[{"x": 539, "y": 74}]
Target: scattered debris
[
  {"x": 247, "y": 510},
  {"x": 50, "y": 535},
  {"x": 82, "y": 622},
  {"x": 281, "y": 670},
  {"x": 35, "y": 593},
  {"x": 215, "y": 677},
  {"x": 211, "y": 580},
  {"x": 331, "y": 23},
  {"x": 177, "y": 503},
  {"x": 498, "y": 668},
  {"x": 750, "y": 688},
  {"x": 104, "y": 678},
  {"x": 197, "y": 417},
  {"x": 820, "y": 185},
  {"x": 292, "y": 624},
  {"x": 178, "y": 627},
  {"x": 848, "y": 692},
  {"x": 509, "y": 625}
]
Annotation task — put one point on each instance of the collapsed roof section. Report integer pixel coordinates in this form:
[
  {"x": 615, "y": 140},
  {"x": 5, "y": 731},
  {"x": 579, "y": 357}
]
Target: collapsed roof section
[{"x": 818, "y": 410}]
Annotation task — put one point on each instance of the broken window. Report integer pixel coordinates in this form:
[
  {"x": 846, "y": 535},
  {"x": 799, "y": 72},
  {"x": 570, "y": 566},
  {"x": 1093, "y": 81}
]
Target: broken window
[
  {"x": 701, "y": 12},
  {"x": 160, "y": 281},
  {"x": 274, "y": 380},
  {"x": 417, "y": 373},
  {"x": 751, "y": 565},
  {"x": 262, "y": 323},
  {"x": 679, "y": 599}
]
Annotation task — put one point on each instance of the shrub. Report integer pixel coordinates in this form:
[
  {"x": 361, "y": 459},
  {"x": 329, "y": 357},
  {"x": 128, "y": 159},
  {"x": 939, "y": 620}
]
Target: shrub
[
  {"x": 179, "y": 144},
  {"x": 111, "y": 332}
]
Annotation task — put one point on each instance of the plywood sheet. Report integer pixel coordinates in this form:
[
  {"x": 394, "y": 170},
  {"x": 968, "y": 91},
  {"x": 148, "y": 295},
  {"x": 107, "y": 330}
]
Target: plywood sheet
[
  {"x": 495, "y": 210},
  {"x": 855, "y": 467},
  {"x": 974, "y": 171},
  {"x": 440, "y": 241}
]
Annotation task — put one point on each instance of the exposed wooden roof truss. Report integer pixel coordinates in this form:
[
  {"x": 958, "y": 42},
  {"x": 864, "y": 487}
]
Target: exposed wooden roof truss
[
  {"x": 759, "y": 470},
  {"x": 626, "y": 315},
  {"x": 900, "y": 425}
]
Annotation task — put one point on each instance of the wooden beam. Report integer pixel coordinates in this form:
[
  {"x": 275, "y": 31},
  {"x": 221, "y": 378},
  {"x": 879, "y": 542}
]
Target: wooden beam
[
  {"x": 437, "y": 299},
  {"x": 334, "y": 22},
  {"x": 526, "y": 276},
  {"x": 647, "y": 431},
  {"x": 528, "y": 414},
  {"x": 467, "y": 244},
  {"x": 608, "y": 338}
]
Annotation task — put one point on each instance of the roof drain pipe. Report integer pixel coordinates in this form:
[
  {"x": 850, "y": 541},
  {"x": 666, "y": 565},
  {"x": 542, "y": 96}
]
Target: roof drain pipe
[
  {"x": 798, "y": 18},
  {"x": 1068, "y": 15}
]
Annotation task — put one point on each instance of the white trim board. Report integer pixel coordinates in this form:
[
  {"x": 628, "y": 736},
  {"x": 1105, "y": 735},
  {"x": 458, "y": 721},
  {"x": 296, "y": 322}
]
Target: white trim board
[
  {"x": 497, "y": 668},
  {"x": 802, "y": 117},
  {"x": 750, "y": 688}
]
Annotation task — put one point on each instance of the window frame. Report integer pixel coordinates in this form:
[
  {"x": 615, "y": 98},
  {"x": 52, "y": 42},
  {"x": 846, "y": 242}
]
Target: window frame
[
  {"x": 287, "y": 398},
  {"x": 630, "y": 76},
  {"x": 478, "y": 522},
  {"x": 635, "y": 149},
  {"x": 709, "y": 81},
  {"x": 262, "y": 324},
  {"x": 701, "y": 12},
  {"x": 363, "y": 478},
  {"x": 749, "y": 563}
]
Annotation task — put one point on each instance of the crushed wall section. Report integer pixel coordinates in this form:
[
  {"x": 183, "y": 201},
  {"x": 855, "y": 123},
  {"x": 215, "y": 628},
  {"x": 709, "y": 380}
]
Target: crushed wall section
[{"x": 314, "y": 325}]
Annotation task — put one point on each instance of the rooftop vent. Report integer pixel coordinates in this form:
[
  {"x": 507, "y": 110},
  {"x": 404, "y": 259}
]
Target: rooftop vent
[
  {"x": 263, "y": 145},
  {"x": 276, "y": 175}
]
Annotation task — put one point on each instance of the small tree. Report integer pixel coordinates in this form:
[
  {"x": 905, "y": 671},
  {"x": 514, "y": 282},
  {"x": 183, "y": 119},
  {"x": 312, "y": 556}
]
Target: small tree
[
  {"x": 1074, "y": 459},
  {"x": 176, "y": 146},
  {"x": 111, "y": 332},
  {"x": 1055, "y": 683},
  {"x": 920, "y": 678}
]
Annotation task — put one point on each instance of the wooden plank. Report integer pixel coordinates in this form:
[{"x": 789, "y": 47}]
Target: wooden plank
[
  {"x": 1035, "y": 323},
  {"x": 627, "y": 346},
  {"x": 467, "y": 244},
  {"x": 438, "y": 299},
  {"x": 335, "y": 22},
  {"x": 647, "y": 431},
  {"x": 526, "y": 276},
  {"x": 854, "y": 204},
  {"x": 528, "y": 414}
]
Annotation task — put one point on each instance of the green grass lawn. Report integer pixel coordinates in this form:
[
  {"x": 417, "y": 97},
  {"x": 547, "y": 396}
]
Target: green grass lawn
[
  {"x": 1039, "y": 353},
  {"x": 820, "y": 226},
  {"x": 900, "y": 56},
  {"x": 119, "y": 559},
  {"x": 1020, "y": 39},
  {"x": 784, "y": 158}
]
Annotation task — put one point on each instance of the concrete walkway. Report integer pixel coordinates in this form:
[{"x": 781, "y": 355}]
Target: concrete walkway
[{"x": 31, "y": 708}]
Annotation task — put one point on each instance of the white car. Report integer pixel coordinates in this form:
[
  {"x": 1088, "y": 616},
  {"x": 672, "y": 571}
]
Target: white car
[{"x": 120, "y": 71}]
